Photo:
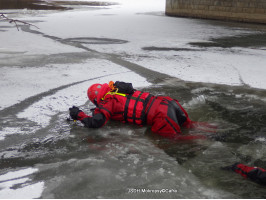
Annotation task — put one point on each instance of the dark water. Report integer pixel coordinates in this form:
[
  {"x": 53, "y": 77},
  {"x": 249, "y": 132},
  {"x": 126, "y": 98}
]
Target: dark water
[
  {"x": 48, "y": 5},
  {"x": 29, "y": 4}
]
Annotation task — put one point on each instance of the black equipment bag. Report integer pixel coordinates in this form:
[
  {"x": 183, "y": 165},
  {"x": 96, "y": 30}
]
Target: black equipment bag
[{"x": 123, "y": 87}]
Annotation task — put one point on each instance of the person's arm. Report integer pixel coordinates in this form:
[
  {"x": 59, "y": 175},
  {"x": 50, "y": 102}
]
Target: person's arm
[{"x": 95, "y": 121}]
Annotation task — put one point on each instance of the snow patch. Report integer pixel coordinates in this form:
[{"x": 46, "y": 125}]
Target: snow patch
[{"x": 24, "y": 188}]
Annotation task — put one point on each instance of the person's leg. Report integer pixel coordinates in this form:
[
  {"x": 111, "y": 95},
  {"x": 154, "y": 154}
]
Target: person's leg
[{"x": 165, "y": 127}]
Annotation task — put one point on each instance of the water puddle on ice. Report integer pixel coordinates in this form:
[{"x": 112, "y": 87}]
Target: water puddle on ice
[{"x": 257, "y": 40}]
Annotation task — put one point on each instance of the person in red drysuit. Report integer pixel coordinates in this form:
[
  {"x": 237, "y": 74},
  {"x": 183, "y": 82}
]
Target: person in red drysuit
[
  {"x": 119, "y": 101},
  {"x": 255, "y": 174}
]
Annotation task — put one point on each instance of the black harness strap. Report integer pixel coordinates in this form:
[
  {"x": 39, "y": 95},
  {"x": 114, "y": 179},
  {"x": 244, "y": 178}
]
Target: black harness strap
[
  {"x": 171, "y": 125},
  {"x": 143, "y": 116},
  {"x": 151, "y": 105},
  {"x": 126, "y": 107},
  {"x": 103, "y": 108},
  {"x": 137, "y": 98},
  {"x": 135, "y": 107}
]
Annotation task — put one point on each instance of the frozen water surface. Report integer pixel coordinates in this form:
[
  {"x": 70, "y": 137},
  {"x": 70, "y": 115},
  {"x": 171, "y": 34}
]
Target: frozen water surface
[{"x": 215, "y": 69}]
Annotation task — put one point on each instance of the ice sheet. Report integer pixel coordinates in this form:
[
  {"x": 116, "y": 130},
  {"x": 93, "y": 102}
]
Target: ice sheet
[{"x": 25, "y": 190}]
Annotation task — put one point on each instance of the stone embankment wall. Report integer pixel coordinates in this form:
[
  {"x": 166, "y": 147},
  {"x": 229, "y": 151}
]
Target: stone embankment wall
[{"x": 237, "y": 10}]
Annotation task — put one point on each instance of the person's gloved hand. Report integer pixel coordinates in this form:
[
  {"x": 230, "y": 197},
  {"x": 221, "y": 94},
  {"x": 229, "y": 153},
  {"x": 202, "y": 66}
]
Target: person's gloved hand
[{"x": 73, "y": 112}]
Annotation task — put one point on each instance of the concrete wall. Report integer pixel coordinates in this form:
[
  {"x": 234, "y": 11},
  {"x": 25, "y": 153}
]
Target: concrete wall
[{"x": 237, "y": 10}]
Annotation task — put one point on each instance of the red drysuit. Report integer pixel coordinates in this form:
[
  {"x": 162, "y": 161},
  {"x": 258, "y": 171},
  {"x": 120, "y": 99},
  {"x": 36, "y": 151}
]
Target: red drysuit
[{"x": 164, "y": 114}]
